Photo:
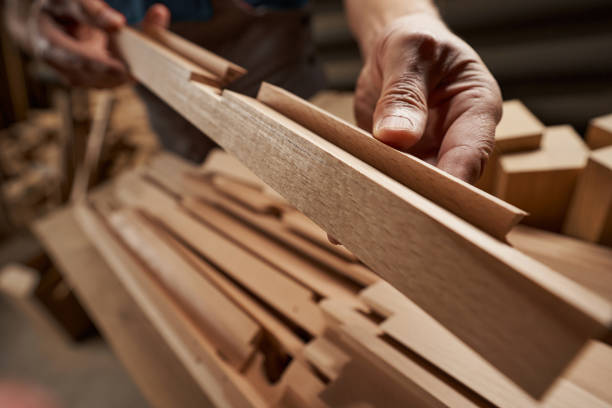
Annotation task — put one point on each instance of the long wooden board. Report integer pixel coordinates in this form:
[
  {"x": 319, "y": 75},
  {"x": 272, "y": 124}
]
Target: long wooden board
[
  {"x": 468, "y": 202},
  {"x": 479, "y": 288}
]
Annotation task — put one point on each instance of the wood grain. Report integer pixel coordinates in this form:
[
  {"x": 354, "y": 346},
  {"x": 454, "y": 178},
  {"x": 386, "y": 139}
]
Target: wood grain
[
  {"x": 477, "y": 207},
  {"x": 590, "y": 212},
  {"x": 475, "y": 285}
]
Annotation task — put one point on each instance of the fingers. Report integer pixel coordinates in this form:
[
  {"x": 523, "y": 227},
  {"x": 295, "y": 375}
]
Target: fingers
[
  {"x": 470, "y": 137},
  {"x": 158, "y": 15},
  {"x": 101, "y": 15}
]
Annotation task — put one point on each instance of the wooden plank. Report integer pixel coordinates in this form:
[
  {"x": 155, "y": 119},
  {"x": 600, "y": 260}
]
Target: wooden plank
[
  {"x": 340, "y": 313},
  {"x": 233, "y": 332},
  {"x": 273, "y": 228},
  {"x": 251, "y": 198},
  {"x": 590, "y": 212},
  {"x": 225, "y": 71},
  {"x": 477, "y": 207},
  {"x": 224, "y": 386},
  {"x": 599, "y": 133},
  {"x": 303, "y": 226},
  {"x": 478, "y": 287},
  {"x": 307, "y": 273},
  {"x": 592, "y": 371},
  {"x": 327, "y": 357},
  {"x": 152, "y": 364},
  {"x": 302, "y": 388},
  {"x": 437, "y": 345},
  {"x": 542, "y": 182},
  {"x": 272, "y": 286},
  {"x": 588, "y": 264},
  {"x": 150, "y": 61},
  {"x": 379, "y": 375}
]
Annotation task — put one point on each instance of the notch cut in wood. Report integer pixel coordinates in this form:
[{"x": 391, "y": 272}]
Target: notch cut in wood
[{"x": 468, "y": 202}]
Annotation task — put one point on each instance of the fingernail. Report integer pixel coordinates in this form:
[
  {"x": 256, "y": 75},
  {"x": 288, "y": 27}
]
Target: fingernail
[{"x": 395, "y": 123}]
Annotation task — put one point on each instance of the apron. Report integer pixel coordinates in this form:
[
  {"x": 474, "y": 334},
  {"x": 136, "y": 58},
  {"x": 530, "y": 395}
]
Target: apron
[{"x": 273, "y": 45}]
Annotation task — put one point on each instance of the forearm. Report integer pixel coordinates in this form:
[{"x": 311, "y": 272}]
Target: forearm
[{"x": 367, "y": 18}]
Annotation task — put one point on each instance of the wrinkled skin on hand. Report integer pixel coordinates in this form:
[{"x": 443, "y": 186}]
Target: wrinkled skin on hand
[
  {"x": 73, "y": 36},
  {"x": 425, "y": 91}
]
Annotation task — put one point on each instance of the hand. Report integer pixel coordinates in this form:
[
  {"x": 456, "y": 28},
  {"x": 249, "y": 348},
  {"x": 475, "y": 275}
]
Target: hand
[
  {"x": 73, "y": 36},
  {"x": 425, "y": 91}
]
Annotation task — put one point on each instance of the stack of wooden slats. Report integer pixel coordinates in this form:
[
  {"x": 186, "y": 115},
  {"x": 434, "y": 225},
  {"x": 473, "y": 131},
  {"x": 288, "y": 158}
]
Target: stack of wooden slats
[{"x": 264, "y": 311}]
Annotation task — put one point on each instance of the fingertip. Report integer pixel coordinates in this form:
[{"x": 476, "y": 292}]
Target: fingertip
[
  {"x": 157, "y": 15},
  {"x": 399, "y": 132}
]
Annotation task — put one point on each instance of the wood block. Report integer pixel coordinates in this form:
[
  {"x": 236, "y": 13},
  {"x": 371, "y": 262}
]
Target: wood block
[
  {"x": 599, "y": 133},
  {"x": 590, "y": 212},
  {"x": 327, "y": 357},
  {"x": 542, "y": 182},
  {"x": 518, "y": 129},
  {"x": 302, "y": 388},
  {"x": 475, "y": 206},
  {"x": 224, "y": 385},
  {"x": 232, "y": 331},
  {"x": 339, "y": 313},
  {"x": 287, "y": 296},
  {"x": 478, "y": 287},
  {"x": 588, "y": 264}
]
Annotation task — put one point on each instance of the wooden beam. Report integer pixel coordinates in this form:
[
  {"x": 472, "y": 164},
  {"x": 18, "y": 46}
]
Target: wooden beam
[
  {"x": 478, "y": 287},
  {"x": 590, "y": 212},
  {"x": 473, "y": 205}
]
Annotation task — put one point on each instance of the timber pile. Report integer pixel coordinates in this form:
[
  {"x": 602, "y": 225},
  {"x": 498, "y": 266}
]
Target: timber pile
[{"x": 263, "y": 311}]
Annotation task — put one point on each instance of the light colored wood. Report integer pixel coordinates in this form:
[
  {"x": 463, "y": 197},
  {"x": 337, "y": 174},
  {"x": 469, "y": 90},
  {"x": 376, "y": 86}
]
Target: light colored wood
[
  {"x": 220, "y": 162},
  {"x": 152, "y": 364},
  {"x": 302, "y": 388},
  {"x": 95, "y": 140},
  {"x": 599, "y": 133},
  {"x": 542, "y": 182},
  {"x": 340, "y": 104},
  {"x": 588, "y": 264},
  {"x": 271, "y": 226},
  {"x": 303, "y": 226},
  {"x": 327, "y": 357},
  {"x": 247, "y": 196},
  {"x": 231, "y": 330},
  {"x": 477, "y": 207},
  {"x": 478, "y": 287},
  {"x": 518, "y": 129},
  {"x": 437, "y": 345},
  {"x": 146, "y": 57},
  {"x": 340, "y": 313},
  {"x": 307, "y": 273},
  {"x": 592, "y": 371},
  {"x": 287, "y": 339},
  {"x": 270, "y": 285},
  {"x": 590, "y": 212},
  {"x": 224, "y": 70},
  {"x": 223, "y": 385},
  {"x": 380, "y": 375}
]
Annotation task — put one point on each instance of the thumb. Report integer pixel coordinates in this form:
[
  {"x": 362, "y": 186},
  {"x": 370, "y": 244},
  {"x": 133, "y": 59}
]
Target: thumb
[
  {"x": 401, "y": 112},
  {"x": 158, "y": 16}
]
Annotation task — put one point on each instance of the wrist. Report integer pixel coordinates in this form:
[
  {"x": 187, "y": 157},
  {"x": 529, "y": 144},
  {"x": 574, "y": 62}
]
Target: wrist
[{"x": 370, "y": 34}]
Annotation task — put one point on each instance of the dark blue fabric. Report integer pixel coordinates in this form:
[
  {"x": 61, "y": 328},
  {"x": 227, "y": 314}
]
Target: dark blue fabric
[{"x": 189, "y": 10}]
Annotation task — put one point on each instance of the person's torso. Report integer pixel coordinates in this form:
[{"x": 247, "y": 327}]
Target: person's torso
[{"x": 193, "y": 10}]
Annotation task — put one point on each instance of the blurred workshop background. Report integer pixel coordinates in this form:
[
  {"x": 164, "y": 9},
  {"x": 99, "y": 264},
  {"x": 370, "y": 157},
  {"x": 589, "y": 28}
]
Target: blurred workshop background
[{"x": 554, "y": 55}]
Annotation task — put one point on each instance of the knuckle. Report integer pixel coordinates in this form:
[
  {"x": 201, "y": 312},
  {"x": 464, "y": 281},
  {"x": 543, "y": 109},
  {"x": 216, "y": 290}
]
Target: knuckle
[{"x": 406, "y": 91}]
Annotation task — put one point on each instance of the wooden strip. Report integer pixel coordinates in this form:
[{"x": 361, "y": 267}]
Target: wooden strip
[
  {"x": 478, "y": 287},
  {"x": 230, "y": 329},
  {"x": 589, "y": 216},
  {"x": 326, "y": 357},
  {"x": 300, "y": 269},
  {"x": 271, "y": 226},
  {"x": 302, "y": 388},
  {"x": 287, "y": 339},
  {"x": 287, "y": 296},
  {"x": 224, "y": 386},
  {"x": 150, "y": 61},
  {"x": 339, "y": 313},
  {"x": 474, "y": 271},
  {"x": 475, "y": 206},
  {"x": 302, "y": 225},
  {"x": 405, "y": 382},
  {"x": 153, "y": 364},
  {"x": 592, "y": 371},
  {"x": 588, "y": 264},
  {"x": 224, "y": 70},
  {"x": 245, "y": 195}
]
